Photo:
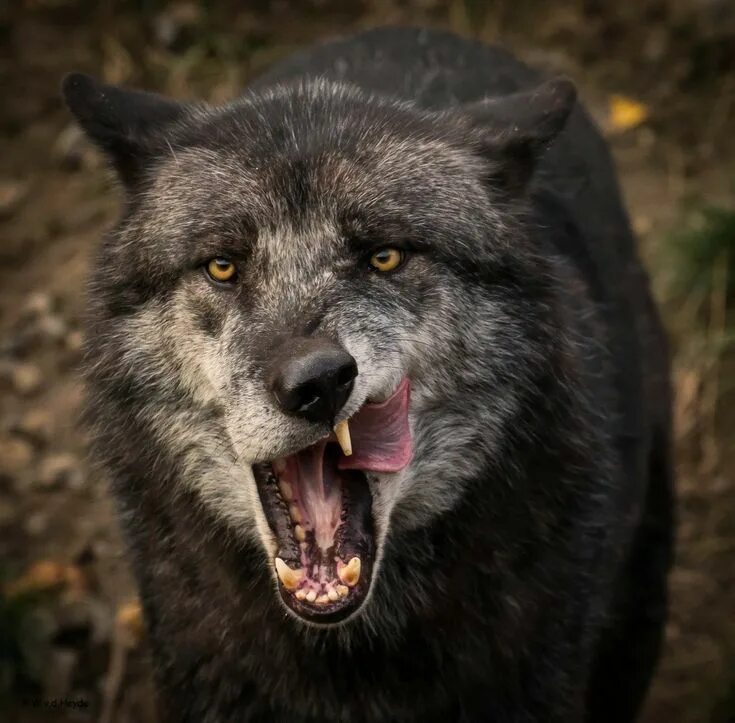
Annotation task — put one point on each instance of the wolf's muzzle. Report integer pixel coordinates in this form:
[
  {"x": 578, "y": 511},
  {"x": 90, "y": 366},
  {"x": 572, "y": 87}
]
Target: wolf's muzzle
[{"x": 312, "y": 377}]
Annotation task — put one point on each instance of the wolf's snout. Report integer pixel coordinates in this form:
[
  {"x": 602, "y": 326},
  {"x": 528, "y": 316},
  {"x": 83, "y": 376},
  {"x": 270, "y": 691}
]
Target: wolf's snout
[{"x": 312, "y": 378}]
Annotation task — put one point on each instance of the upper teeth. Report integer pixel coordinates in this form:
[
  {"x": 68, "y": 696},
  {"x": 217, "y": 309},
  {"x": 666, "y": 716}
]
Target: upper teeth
[
  {"x": 290, "y": 578},
  {"x": 342, "y": 432}
]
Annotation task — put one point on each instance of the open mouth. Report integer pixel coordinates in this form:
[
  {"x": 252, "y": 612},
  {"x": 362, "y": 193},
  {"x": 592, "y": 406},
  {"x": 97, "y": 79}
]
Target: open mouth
[
  {"x": 319, "y": 506},
  {"x": 322, "y": 518}
]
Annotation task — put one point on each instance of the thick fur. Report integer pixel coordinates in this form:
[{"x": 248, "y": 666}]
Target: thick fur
[{"x": 522, "y": 555}]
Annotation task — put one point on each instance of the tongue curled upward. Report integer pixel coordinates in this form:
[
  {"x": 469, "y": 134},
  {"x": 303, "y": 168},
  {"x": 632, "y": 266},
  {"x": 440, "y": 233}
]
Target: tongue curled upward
[
  {"x": 318, "y": 503},
  {"x": 381, "y": 439}
]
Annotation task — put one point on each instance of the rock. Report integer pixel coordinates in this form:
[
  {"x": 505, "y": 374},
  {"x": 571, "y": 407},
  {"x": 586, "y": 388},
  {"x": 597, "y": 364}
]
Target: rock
[
  {"x": 37, "y": 425},
  {"x": 38, "y": 304},
  {"x": 16, "y": 455},
  {"x": 39, "y": 321},
  {"x": 26, "y": 378},
  {"x": 51, "y": 327},
  {"x": 74, "y": 341},
  {"x": 59, "y": 470},
  {"x": 36, "y": 524}
]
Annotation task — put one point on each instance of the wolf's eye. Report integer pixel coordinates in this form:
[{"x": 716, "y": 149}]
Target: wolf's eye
[
  {"x": 387, "y": 259},
  {"x": 221, "y": 270}
]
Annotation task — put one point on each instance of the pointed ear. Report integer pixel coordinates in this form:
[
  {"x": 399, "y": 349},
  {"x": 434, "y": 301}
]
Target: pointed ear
[
  {"x": 125, "y": 124},
  {"x": 515, "y": 130}
]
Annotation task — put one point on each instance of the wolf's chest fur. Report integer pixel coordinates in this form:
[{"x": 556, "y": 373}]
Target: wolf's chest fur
[{"x": 410, "y": 233}]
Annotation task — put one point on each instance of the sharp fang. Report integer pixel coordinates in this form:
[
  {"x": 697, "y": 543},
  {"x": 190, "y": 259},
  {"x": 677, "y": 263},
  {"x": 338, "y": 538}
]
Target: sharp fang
[
  {"x": 342, "y": 590},
  {"x": 295, "y": 513},
  {"x": 279, "y": 466},
  {"x": 332, "y": 594},
  {"x": 299, "y": 533},
  {"x": 311, "y": 595},
  {"x": 301, "y": 594},
  {"x": 342, "y": 431},
  {"x": 350, "y": 573},
  {"x": 290, "y": 578},
  {"x": 286, "y": 490}
]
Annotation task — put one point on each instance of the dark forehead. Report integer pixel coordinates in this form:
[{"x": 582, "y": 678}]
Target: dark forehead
[{"x": 316, "y": 150}]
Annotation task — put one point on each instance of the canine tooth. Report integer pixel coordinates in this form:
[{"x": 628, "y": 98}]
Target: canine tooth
[
  {"x": 295, "y": 513},
  {"x": 332, "y": 594},
  {"x": 342, "y": 590},
  {"x": 342, "y": 430},
  {"x": 304, "y": 546},
  {"x": 350, "y": 573},
  {"x": 322, "y": 600},
  {"x": 301, "y": 594},
  {"x": 299, "y": 533},
  {"x": 311, "y": 596},
  {"x": 290, "y": 578},
  {"x": 279, "y": 466},
  {"x": 286, "y": 490}
]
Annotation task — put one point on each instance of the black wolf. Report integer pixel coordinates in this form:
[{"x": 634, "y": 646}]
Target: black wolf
[{"x": 420, "y": 236}]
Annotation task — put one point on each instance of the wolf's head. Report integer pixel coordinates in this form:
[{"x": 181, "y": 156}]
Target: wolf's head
[{"x": 307, "y": 256}]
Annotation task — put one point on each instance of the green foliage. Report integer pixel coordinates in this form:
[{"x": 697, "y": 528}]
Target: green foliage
[
  {"x": 702, "y": 254},
  {"x": 24, "y": 633}
]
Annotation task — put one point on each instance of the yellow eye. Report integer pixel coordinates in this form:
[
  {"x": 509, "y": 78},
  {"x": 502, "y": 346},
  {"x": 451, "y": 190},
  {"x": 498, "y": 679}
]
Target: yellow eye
[
  {"x": 221, "y": 270},
  {"x": 387, "y": 259}
]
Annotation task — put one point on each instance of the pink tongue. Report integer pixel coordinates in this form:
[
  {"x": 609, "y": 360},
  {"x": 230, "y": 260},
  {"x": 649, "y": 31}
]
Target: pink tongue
[
  {"x": 318, "y": 492},
  {"x": 381, "y": 439}
]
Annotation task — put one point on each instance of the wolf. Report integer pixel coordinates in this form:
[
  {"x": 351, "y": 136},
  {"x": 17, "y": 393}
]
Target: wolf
[{"x": 382, "y": 393}]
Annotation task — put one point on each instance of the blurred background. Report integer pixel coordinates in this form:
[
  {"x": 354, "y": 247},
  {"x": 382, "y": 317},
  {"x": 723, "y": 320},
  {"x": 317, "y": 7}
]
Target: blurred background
[{"x": 659, "y": 78}]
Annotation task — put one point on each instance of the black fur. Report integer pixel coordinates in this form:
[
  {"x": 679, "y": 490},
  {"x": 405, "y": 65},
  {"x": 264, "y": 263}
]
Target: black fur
[{"x": 540, "y": 595}]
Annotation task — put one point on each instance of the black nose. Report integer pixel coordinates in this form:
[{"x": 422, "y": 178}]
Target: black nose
[{"x": 312, "y": 378}]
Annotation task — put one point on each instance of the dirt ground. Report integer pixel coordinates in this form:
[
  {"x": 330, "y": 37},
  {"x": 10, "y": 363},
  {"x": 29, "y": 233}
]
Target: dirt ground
[{"x": 67, "y": 640}]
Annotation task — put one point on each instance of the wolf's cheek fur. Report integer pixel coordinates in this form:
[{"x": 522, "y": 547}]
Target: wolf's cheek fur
[
  {"x": 192, "y": 428},
  {"x": 451, "y": 354}
]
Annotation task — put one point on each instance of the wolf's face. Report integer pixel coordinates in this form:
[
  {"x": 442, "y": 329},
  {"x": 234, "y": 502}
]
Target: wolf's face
[{"x": 307, "y": 257}]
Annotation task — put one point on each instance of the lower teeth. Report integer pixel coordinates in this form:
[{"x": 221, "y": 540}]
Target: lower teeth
[
  {"x": 295, "y": 582},
  {"x": 315, "y": 582}
]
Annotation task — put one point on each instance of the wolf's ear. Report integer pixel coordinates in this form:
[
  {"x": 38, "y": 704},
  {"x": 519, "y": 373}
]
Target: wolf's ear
[
  {"x": 125, "y": 124},
  {"x": 515, "y": 130}
]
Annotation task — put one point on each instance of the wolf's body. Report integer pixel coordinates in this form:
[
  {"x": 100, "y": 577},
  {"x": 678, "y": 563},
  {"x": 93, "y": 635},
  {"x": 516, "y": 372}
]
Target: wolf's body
[{"x": 522, "y": 574}]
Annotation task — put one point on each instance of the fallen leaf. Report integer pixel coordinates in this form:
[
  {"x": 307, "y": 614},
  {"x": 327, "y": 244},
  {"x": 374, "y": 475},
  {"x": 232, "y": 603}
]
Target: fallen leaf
[
  {"x": 41, "y": 576},
  {"x": 129, "y": 620},
  {"x": 625, "y": 113}
]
